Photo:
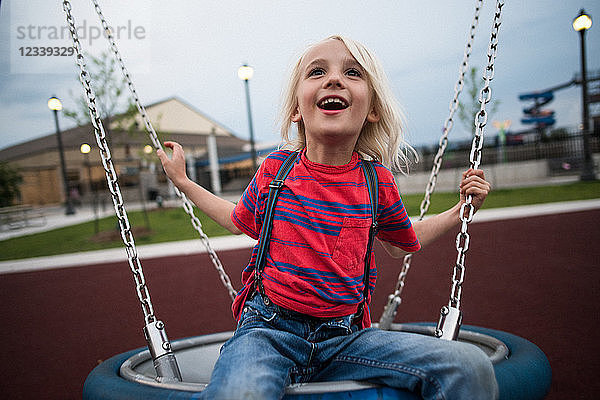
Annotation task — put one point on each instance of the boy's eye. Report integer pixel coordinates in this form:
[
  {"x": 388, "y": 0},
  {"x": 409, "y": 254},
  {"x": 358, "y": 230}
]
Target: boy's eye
[
  {"x": 316, "y": 72},
  {"x": 353, "y": 72}
]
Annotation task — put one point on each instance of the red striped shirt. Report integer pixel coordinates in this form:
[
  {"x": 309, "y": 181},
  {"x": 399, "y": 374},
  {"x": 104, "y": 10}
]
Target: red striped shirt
[{"x": 315, "y": 262}]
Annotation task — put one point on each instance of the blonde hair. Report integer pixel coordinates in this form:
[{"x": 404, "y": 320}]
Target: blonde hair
[{"x": 382, "y": 140}]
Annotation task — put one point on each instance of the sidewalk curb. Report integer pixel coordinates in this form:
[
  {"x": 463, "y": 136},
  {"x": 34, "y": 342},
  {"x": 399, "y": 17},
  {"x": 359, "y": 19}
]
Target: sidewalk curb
[
  {"x": 166, "y": 249},
  {"x": 223, "y": 243}
]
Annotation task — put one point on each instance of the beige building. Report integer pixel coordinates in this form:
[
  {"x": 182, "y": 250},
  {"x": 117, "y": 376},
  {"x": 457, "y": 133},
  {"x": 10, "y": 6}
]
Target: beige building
[{"x": 139, "y": 170}]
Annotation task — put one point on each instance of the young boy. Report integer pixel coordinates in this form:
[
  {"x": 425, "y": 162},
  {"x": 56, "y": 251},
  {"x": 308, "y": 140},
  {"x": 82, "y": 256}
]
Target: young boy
[{"x": 305, "y": 316}]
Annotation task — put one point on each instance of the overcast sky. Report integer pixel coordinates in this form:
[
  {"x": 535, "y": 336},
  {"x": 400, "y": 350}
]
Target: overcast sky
[{"x": 192, "y": 50}]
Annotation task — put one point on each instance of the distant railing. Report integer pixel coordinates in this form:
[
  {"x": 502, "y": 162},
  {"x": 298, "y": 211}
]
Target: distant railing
[{"x": 564, "y": 155}]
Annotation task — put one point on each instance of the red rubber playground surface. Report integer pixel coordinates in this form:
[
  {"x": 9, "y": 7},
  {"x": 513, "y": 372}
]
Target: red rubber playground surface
[{"x": 536, "y": 277}]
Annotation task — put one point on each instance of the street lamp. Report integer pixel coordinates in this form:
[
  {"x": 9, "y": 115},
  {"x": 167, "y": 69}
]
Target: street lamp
[
  {"x": 581, "y": 24},
  {"x": 55, "y": 105},
  {"x": 245, "y": 73},
  {"x": 85, "y": 150}
]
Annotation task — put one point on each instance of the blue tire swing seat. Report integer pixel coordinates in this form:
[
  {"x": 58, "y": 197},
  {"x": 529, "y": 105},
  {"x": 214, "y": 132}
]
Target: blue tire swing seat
[
  {"x": 522, "y": 371},
  {"x": 182, "y": 369}
]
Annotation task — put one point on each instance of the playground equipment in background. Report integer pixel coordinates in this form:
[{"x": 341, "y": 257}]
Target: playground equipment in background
[{"x": 545, "y": 118}]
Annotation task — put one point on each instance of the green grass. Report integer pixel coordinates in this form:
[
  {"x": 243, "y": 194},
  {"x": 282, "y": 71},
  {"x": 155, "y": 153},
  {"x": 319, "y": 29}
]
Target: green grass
[
  {"x": 174, "y": 224},
  {"x": 165, "y": 225},
  {"x": 510, "y": 197}
]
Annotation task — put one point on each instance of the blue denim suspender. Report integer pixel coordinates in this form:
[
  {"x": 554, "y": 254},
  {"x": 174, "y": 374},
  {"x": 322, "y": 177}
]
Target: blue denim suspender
[
  {"x": 373, "y": 188},
  {"x": 267, "y": 226}
]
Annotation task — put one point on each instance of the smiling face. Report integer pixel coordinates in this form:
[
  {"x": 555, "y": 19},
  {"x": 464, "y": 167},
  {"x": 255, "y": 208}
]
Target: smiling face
[{"x": 333, "y": 95}]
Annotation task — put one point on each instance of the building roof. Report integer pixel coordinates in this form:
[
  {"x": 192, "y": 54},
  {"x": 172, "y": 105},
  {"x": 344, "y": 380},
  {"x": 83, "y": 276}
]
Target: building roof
[
  {"x": 175, "y": 115},
  {"x": 172, "y": 118}
]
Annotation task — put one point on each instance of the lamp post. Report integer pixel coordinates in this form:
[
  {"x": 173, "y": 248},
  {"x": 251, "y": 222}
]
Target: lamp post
[
  {"x": 147, "y": 150},
  {"x": 85, "y": 150},
  {"x": 245, "y": 73},
  {"x": 55, "y": 105},
  {"x": 581, "y": 24}
]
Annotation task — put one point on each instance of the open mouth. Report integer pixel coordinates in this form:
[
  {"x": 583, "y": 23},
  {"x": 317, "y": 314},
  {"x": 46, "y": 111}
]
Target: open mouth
[{"x": 332, "y": 104}]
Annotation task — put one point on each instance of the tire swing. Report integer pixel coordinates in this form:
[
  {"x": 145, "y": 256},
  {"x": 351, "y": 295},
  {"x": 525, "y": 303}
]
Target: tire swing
[{"x": 182, "y": 369}]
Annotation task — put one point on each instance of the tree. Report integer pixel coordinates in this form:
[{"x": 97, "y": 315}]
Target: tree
[
  {"x": 9, "y": 184},
  {"x": 112, "y": 100},
  {"x": 109, "y": 87},
  {"x": 470, "y": 106}
]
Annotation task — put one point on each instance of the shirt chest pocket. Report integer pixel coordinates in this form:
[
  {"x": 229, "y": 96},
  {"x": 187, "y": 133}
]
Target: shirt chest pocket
[{"x": 351, "y": 244}]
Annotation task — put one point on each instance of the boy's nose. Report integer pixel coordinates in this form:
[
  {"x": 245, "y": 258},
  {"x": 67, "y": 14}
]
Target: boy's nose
[{"x": 334, "y": 80}]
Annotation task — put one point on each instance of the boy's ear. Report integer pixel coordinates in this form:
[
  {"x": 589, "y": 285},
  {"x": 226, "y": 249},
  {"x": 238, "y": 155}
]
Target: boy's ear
[
  {"x": 373, "y": 116},
  {"x": 296, "y": 116}
]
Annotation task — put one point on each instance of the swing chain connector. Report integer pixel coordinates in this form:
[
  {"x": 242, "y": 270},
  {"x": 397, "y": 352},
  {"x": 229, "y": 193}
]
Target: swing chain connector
[
  {"x": 449, "y": 323},
  {"x": 394, "y": 299},
  {"x": 390, "y": 311},
  {"x": 164, "y": 360}
]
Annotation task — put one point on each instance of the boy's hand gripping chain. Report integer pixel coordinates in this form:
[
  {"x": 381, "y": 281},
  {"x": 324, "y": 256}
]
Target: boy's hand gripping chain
[
  {"x": 154, "y": 330},
  {"x": 394, "y": 299},
  {"x": 450, "y": 316}
]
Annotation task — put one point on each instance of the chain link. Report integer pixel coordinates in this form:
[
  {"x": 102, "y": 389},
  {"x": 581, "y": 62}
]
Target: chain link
[
  {"x": 394, "y": 299},
  {"x": 111, "y": 175},
  {"x": 467, "y": 209},
  {"x": 186, "y": 204}
]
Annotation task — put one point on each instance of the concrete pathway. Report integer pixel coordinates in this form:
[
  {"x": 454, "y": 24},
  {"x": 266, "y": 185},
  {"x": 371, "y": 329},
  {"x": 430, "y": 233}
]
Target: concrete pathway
[
  {"x": 223, "y": 243},
  {"x": 55, "y": 216}
]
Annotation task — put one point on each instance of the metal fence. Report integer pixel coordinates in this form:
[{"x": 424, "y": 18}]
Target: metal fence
[{"x": 564, "y": 155}]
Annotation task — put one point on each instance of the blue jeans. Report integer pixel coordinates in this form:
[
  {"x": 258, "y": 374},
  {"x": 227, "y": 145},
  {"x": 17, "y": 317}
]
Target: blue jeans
[{"x": 273, "y": 347}]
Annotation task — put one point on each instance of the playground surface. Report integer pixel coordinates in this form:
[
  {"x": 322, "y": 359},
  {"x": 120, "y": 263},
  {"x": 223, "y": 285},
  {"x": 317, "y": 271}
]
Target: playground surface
[{"x": 533, "y": 274}]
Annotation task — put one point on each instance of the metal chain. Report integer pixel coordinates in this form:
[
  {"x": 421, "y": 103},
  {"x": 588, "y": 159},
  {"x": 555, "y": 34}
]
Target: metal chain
[
  {"x": 186, "y": 204},
  {"x": 111, "y": 175},
  {"x": 467, "y": 209},
  {"x": 395, "y": 299}
]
